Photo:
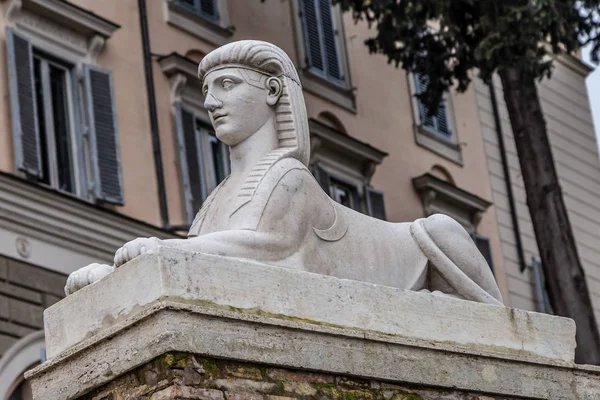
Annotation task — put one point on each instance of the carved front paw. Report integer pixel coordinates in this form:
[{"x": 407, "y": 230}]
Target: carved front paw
[
  {"x": 86, "y": 276},
  {"x": 131, "y": 250}
]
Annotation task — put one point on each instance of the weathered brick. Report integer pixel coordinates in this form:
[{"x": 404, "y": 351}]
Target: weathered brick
[
  {"x": 20, "y": 293},
  {"x": 242, "y": 371},
  {"x": 279, "y": 374},
  {"x": 246, "y": 385},
  {"x": 6, "y": 342},
  {"x": 36, "y": 278},
  {"x": 243, "y": 396},
  {"x": 26, "y": 313},
  {"x": 187, "y": 393},
  {"x": 299, "y": 388},
  {"x": 352, "y": 382},
  {"x": 273, "y": 397}
]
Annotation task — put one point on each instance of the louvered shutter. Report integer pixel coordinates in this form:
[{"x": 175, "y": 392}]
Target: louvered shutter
[
  {"x": 193, "y": 149},
  {"x": 180, "y": 129},
  {"x": 421, "y": 86},
  {"x": 104, "y": 135},
  {"x": 375, "y": 203},
  {"x": 442, "y": 120},
  {"x": 329, "y": 40},
  {"x": 208, "y": 8},
  {"x": 312, "y": 36},
  {"x": 322, "y": 55},
  {"x": 484, "y": 247},
  {"x": 23, "y": 104},
  {"x": 323, "y": 179}
]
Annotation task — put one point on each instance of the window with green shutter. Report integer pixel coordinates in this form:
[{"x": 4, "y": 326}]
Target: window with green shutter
[{"x": 321, "y": 40}]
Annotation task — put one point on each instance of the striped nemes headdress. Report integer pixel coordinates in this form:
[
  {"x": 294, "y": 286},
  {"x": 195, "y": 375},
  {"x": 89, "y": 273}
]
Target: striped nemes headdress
[{"x": 268, "y": 59}]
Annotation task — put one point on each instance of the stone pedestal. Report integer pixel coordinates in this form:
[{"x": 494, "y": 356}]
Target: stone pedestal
[{"x": 176, "y": 325}]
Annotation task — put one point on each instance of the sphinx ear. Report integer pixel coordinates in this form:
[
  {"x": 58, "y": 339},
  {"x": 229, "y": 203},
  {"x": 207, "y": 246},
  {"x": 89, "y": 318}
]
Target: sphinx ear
[{"x": 274, "y": 88}]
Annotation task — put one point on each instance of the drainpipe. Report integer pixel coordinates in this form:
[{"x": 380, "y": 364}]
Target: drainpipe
[
  {"x": 509, "y": 189},
  {"x": 158, "y": 166}
]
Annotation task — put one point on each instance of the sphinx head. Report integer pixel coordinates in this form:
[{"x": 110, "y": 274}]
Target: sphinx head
[
  {"x": 250, "y": 83},
  {"x": 240, "y": 101}
]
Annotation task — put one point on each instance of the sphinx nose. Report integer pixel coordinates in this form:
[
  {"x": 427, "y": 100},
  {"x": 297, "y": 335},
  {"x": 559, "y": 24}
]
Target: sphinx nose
[{"x": 211, "y": 103}]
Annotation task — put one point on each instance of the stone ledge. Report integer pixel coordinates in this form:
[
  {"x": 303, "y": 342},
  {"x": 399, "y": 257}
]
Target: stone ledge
[
  {"x": 174, "y": 327},
  {"x": 253, "y": 288}
]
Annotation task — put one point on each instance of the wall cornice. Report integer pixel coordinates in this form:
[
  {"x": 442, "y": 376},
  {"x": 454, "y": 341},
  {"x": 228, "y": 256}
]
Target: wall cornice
[{"x": 84, "y": 230}]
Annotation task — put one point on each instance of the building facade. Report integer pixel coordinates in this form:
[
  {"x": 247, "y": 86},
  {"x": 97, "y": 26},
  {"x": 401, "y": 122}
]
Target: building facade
[
  {"x": 104, "y": 138},
  {"x": 571, "y": 132}
]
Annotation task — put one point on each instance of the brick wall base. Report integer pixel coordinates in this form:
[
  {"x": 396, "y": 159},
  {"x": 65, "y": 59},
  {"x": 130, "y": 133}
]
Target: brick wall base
[{"x": 179, "y": 376}]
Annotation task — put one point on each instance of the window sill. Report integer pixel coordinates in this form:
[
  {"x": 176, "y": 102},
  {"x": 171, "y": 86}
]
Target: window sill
[
  {"x": 433, "y": 142},
  {"x": 195, "y": 25},
  {"x": 343, "y": 97}
]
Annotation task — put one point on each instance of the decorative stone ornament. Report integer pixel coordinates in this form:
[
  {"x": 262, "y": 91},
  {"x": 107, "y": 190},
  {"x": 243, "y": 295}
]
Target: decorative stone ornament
[{"x": 272, "y": 210}]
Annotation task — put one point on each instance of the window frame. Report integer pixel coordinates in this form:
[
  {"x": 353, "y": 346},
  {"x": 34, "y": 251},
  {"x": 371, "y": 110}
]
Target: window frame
[
  {"x": 340, "y": 93},
  {"x": 217, "y": 31},
  {"x": 343, "y": 159},
  {"x": 449, "y": 148},
  {"x": 203, "y": 152},
  {"x": 197, "y": 9},
  {"x": 49, "y": 42},
  {"x": 75, "y": 149}
]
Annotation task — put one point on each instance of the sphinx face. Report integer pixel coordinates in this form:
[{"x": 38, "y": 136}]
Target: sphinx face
[{"x": 236, "y": 108}]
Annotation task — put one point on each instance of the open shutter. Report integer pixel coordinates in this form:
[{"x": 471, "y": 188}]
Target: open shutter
[
  {"x": 329, "y": 40},
  {"x": 539, "y": 280},
  {"x": 104, "y": 135},
  {"x": 191, "y": 172},
  {"x": 323, "y": 179},
  {"x": 421, "y": 86},
  {"x": 375, "y": 203},
  {"x": 442, "y": 119},
  {"x": 23, "y": 104},
  {"x": 312, "y": 36},
  {"x": 180, "y": 128},
  {"x": 484, "y": 247}
]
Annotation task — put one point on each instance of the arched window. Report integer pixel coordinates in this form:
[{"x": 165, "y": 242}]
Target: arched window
[{"x": 22, "y": 356}]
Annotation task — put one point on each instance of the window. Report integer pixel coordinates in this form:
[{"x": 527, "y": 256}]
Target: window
[
  {"x": 204, "y": 160},
  {"x": 205, "y": 19},
  {"x": 343, "y": 166},
  {"x": 52, "y": 82},
  {"x": 324, "y": 65},
  {"x": 435, "y": 131},
  {"x": 485, "y": 248},
  {"x": 437, "y": 122},
  {"x": 321, "y": 40},
  {"x": 61, "y": 132},
  {"x": 204, "y": 8}
]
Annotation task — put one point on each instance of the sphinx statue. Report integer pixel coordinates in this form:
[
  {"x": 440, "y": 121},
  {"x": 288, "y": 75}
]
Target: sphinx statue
[{"x": 272, "y": 210}]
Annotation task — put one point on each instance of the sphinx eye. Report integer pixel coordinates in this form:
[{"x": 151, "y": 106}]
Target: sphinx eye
[{"x": 226, "y": 83}]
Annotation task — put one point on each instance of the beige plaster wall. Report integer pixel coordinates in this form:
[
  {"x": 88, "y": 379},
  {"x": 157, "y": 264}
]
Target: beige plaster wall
[
  {"x": 7, "y": 162},
  {"x": 383, "y": 117}
]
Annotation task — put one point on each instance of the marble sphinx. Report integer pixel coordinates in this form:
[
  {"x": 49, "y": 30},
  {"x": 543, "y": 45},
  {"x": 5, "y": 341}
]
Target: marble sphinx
[{"x": 272, "y": 210}]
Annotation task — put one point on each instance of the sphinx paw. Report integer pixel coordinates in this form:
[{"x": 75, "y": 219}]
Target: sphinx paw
[{"x": 86, "y": 276}]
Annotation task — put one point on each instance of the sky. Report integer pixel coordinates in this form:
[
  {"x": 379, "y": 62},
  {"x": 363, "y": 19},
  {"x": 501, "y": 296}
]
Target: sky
[{"x": 593, "y": 88}]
